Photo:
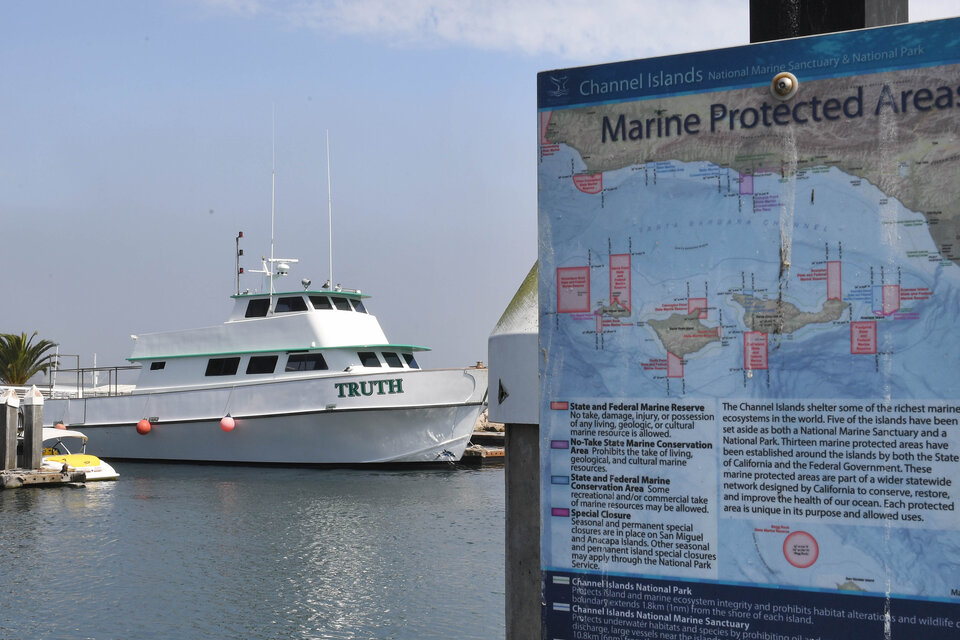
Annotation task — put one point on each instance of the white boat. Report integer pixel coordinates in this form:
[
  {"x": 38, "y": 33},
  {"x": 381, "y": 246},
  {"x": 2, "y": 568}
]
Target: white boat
[
  {"x": 56, "y": 455},
  {"x": 299, "y": 377}
]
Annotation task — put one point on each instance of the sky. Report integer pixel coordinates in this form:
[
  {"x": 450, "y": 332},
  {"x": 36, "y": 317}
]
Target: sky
[{"x": 139, "y": 137}]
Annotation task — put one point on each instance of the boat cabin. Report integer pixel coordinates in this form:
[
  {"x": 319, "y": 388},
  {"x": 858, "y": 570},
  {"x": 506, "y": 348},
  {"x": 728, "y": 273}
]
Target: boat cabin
[{"x": 272, "y": 337}]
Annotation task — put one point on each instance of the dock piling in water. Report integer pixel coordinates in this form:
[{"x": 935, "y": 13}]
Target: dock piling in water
[
  {"x": 9, "y": 408},
  {"x": 31, "y": 458},
  {"x": 32, "y": 454}
]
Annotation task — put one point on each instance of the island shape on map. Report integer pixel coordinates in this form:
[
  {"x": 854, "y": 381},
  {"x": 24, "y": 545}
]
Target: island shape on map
[
  {"x": 777, "y": 316},
  {"x": 899, "y": 132},
  {"x": 682, "y": 334}
]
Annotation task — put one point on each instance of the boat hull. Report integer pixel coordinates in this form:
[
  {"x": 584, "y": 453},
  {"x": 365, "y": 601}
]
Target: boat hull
[{"x": 418, "y": 416}]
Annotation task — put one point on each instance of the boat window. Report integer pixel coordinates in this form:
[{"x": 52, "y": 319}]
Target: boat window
[
  {"x": 321, "y": 302},
  {"x": 411, "y": 361},
  {"x": 222, "y": 366},
  {"x": 392, "y": 359},
  {"x": 257, "y": 308},
  {"x": 286, "y": 305},
  {"x": 369, "y": 359},
  {"x": 156, "y": 366},
  {"x": 306, "y": 362},
  {"x": 342, "y": 303},
  {"x": 358, "y": 306},
  {"x": 262, "y": 364}
]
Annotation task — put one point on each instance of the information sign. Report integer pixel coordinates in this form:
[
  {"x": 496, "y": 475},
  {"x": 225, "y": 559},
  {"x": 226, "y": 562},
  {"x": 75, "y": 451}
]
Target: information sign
[{"x": 750, "y": 330}]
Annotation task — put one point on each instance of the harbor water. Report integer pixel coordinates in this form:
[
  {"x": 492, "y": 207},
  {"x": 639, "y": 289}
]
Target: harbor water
[{"x": 194, "y": 551}]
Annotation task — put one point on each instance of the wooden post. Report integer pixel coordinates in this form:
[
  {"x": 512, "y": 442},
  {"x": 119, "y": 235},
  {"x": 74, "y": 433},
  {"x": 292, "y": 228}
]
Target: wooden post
[
  {"x": 522, "y": 551},
  {"x": 32, "y": 429},
  {"x": 9, "y": 408}
]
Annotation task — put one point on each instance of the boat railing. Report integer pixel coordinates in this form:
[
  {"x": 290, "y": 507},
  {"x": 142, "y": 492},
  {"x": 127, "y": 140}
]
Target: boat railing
[{"x": 88, "y": 382}]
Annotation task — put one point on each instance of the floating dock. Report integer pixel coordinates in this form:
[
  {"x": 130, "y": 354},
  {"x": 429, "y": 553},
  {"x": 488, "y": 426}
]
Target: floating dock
[
  {"x": 16, "y": 478},
  {"x": 486, "y": 449}
]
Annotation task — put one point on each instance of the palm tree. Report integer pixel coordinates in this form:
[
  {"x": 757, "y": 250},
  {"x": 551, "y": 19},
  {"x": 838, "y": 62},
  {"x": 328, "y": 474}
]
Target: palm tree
[{"x": 20, "y": 359}]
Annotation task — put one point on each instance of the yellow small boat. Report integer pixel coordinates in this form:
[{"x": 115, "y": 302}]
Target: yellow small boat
[{"x": 56, "y": 455}]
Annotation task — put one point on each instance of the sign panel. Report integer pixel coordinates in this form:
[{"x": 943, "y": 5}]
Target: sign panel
[{"x": 755, "y": 431}]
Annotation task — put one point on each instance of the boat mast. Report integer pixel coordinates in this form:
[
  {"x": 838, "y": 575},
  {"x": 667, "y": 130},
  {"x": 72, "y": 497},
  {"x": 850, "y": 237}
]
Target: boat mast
[
  {"x": 329, "y": 211},
  {"x": 56, "y": 367},
  {"x": 239, "y": 253}
]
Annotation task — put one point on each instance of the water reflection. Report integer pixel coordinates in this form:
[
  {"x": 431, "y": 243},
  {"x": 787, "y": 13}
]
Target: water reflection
[{"x": 217, "y": 552}]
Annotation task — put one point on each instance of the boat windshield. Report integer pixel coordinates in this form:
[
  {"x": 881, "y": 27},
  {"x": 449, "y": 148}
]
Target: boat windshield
[
  {"x": 392, "y": 359},
  {"x": 257, "y": 308},
  {"x": 342, "y": 304},
  {"x": 321, "y": 302},
  {"x": 53, "y": 440},
  {"x": 288, "y": 304}
]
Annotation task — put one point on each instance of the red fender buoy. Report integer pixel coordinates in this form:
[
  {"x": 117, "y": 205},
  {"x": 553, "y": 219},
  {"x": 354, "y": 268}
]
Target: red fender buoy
[
  {"x": 143, "y": 427},
  {"x": 227, "y": 423}
]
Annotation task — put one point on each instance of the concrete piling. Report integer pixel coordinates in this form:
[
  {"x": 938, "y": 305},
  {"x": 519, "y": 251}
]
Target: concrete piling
[
  {"x": 9, "y": 408},
  {"x": 32, "y": 454}
]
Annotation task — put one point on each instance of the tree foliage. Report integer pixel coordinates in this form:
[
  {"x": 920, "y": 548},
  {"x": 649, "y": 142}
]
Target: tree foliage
[{"x": 21, "y": 358}]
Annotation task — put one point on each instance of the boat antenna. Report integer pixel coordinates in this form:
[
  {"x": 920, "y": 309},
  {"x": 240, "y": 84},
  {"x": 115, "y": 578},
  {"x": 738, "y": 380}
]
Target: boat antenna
[
  {"x": 329, "y": 210},
  {"x": 273, "y": 267},
  {"x": 273, "y": 192}
]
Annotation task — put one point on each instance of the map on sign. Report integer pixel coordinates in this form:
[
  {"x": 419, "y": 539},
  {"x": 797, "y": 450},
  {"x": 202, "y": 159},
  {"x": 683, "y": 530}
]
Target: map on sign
[
  {"x": 771, "y": 264},
  {"x": 749, "y": 310}
]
